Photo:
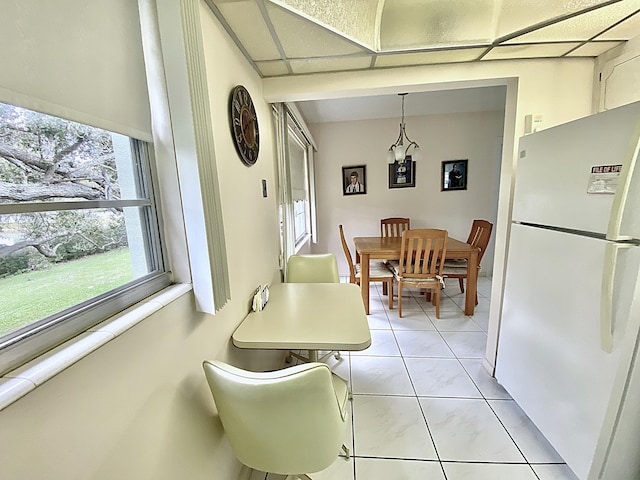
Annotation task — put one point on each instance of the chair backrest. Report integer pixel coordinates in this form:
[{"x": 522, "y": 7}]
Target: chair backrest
[
  {"x": 313, "y": 268},
  {"x": 480, "y": 235},
  {"x": 422, "y": 253},
  {"x": 267, "y": 416},
  {"x": 347, "y": 255},
  {"x": 394, "y": 226}
]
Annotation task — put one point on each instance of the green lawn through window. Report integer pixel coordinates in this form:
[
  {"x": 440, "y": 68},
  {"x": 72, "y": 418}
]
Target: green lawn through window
[{"x": 28, "y": 297}]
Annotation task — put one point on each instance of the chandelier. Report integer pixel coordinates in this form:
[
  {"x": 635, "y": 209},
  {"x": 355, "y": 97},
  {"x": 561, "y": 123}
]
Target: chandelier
[{"x": 400, "y": 149}]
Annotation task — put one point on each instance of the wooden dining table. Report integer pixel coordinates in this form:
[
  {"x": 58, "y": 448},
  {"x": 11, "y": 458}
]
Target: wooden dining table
[{"x": 388, "y": 248}]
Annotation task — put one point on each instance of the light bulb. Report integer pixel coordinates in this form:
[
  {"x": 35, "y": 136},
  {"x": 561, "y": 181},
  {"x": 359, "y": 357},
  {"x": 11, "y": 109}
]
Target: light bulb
[
  {"x": 417, "y": 154},
  {"x": 399, "y": 151},
  {"x": 390, "y": 156}
]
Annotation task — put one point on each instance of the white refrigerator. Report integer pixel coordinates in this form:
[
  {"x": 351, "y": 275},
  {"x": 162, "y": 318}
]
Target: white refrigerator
[{"x": 569, "y": 334}]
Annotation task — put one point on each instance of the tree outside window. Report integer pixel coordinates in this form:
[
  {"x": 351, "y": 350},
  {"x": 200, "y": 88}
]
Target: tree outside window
[{"x": 77, "y": 217}]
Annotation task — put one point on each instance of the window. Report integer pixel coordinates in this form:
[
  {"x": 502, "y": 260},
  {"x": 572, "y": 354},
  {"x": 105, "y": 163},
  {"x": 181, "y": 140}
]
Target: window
[
  {"x": 79, "y": 230},
  {"x": 299, "y": 174}
]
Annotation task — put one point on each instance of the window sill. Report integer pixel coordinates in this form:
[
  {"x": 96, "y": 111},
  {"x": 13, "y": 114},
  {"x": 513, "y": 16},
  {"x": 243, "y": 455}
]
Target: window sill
[{"x": 17, "y": 383}]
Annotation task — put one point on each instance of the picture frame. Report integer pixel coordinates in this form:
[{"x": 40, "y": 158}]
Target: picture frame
[
  {"x": 354, "y": 180},
  {"x": 402, "y": 175},
  {"x": 454, "y": 175}
]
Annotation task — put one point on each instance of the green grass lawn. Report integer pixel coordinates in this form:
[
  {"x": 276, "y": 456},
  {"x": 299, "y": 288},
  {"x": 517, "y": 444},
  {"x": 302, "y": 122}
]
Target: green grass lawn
[{"x": 30, "y": 296}]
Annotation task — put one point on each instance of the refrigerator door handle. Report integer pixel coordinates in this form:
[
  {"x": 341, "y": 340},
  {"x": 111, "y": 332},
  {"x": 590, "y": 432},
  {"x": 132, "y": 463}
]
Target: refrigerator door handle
[
  {"x": 622, "y": 193},
  {"x": 606, "y": 294}
]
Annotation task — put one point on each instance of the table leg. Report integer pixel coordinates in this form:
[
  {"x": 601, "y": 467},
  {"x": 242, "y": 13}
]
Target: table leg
[
  {"x": 313, "y": 355},
  {"x": 364, "y": 280},
  {"x": 472, "y": 282}
]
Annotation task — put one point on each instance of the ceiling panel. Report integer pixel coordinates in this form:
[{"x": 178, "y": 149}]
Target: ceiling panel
[
  {"x": 272, "y": 69},
  {"x": 354, "y": 18},
  {"x": 334, "y": 64},
  {"x": 593, "y": 49},
  {"x": 254, "y": 35},
  {"x": 413, "y": 24},
  {"x": 510, "y": 52},
  {"x": 582, "y": 27},
  {"x": 300, "y": 38},
  {"x": 518, "y": 15},
  {"x": 529, "y": 51},
  {"x": 627, "y": 29},
  {"x": 425, "y": 58}
]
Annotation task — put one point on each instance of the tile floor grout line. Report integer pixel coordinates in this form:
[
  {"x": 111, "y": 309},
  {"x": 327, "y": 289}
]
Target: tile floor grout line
[{"x": 486, "y": 395}]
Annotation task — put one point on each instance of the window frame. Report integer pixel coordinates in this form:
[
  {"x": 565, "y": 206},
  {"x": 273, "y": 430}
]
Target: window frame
[
  {"x": 300, "y": 240},
  {"x": 30, "y": 341}
]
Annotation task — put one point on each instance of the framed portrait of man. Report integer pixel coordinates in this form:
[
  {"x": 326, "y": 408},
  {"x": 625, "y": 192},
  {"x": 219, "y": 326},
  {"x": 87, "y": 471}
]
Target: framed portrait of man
[
  {"x": 454, "y": 175},
  {"x": 354, "y": 180}
]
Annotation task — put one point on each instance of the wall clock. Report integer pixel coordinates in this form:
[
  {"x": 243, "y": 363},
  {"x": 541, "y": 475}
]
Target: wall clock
[{"x": 244, "y": 125}]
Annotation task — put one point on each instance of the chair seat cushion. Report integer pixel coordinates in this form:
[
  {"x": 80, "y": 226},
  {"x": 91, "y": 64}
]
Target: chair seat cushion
[
  {"x": 455, "y": 262},
  {"x": 376, "y": 270},
  {"x": 454, "y": 270}
]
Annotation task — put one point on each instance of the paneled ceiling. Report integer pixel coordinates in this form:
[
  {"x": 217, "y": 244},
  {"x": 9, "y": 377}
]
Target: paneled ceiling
[{"x": 294, "y": 37}]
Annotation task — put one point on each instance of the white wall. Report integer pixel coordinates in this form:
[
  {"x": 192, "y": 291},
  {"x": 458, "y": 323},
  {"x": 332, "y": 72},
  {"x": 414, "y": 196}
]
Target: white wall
[
  {"x": 472, "y": 136},
  {"x": 617, "y": 76},
  {"x": 139, "y": 407}
]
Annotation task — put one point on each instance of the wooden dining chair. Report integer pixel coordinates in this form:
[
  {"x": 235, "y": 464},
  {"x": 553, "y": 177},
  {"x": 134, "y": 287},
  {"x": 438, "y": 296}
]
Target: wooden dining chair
[
  {"x": 421, "y": 261},
  {"x": 479, "y": 237},
  {"x": 378, "y": 271},
  {"x": 394, "y": 226}
]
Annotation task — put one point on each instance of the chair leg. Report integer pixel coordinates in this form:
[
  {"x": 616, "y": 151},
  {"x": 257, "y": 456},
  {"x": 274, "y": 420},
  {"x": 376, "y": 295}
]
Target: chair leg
[
  {"x": 400, "y": 299},
  {"x": 460, "y": 281},
  {"x": 347, "y": 453},
  {"x": 389, "y": 286},
  {"x": 437, "y": 302},
  {"x": 385, "y": 288}
]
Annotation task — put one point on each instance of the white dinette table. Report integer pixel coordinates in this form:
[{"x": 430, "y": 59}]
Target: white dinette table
[{"x": 307, "y": 316}]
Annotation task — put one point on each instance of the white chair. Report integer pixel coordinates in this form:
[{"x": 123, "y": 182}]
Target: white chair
[
  {"x": 267, "y": 414},
  {"x": 312, "y": 268}
]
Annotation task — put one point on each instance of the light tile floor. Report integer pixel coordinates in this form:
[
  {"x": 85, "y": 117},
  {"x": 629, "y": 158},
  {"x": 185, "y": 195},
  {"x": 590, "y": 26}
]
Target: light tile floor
[{"x": 425, "y": 408}]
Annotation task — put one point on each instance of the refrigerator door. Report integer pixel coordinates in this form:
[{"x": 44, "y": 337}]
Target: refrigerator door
[
  {"x": 550, "y": 357},
  {"x": 617, "y": 452},
  {"x": 624, "y": 222},
  {"x": 555, "y": 170}
]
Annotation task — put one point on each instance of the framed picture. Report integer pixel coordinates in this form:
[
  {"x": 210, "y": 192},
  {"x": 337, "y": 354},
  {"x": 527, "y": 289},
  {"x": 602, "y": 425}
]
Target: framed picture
[
  {"x": 454, "y": 175},
  {"x": 354, "y": 180},
  {"x": 402, "y": 174}
]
